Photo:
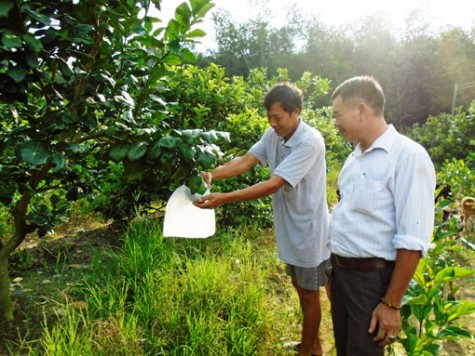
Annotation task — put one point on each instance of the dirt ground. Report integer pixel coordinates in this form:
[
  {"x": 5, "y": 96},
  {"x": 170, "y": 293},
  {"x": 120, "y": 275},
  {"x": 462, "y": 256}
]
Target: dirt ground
[{"x": 44, "y": 273}]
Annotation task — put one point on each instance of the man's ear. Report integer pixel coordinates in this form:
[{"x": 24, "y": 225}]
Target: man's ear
[
  {"x": 296, "y": 112},
  {"x": 363, "y": 108}
]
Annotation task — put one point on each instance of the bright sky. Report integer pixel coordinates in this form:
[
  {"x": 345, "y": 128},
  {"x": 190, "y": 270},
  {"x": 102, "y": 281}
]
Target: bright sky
[{"x": 439, "y": 13}]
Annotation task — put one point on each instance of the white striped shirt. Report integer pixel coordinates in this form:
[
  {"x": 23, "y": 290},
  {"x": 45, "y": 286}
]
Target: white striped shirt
[{"x": 387, "y": 200}]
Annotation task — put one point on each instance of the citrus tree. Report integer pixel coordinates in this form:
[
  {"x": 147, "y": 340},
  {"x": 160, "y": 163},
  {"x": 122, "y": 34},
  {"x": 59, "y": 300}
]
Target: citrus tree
[
  {"x": 81, "y": 92},
  {"x": 447, "y": 136}
]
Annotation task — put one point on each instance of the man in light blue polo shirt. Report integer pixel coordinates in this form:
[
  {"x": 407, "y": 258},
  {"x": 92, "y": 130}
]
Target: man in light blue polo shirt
[{"x": 295, "y": 154}]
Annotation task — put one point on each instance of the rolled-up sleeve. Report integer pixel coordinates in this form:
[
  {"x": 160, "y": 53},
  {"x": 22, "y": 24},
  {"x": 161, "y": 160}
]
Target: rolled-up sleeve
[{"x": 414, "y": 202}]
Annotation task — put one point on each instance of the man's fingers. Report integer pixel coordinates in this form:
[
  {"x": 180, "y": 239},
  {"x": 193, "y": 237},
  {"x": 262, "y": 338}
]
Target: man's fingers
[
  {"x": 207, "y": 177},
  {"x": 373, "y": 323}
]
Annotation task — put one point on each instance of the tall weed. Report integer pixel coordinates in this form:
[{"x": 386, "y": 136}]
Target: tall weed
[{"x": 158, "y": 296}]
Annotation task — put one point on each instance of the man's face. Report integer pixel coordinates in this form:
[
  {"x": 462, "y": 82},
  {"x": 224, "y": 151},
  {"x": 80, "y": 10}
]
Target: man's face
[
  {"x": 347, "y": 117},
  {"x": 283, "y": 123}
]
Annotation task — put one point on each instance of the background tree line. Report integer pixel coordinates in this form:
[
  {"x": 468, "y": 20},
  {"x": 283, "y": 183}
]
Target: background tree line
[{"x": 418, "y": 67}]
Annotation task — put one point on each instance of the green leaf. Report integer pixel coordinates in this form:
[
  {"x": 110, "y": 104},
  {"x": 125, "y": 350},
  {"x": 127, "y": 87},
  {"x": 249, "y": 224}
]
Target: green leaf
[
  {"x": 173, "y": 59},
  {"x": 45, "y": 20},
  {"x": 420, "y": 299},
  {"x": 462, "y": 308},
  {"x": 183, "y": 14},
  {"x": 34, "y": 44},
  {"x": 454, "y": 332},
  {"x": 188, "y": 56},
  {"x": 206, "y": 159},
  {"x": 82, "y": 31},
  {"x": 191, "y": 136},
  {"x": 10, "y": 41},
  {"x": 154, "y": 152},
  {"x": 5, "y": 7},
  {"x": 450, "y": 273},
  {"x": 139, "y": 29},
  {"x": 70, "y": 117},
  {"x": 34, "y": 153},
  {"x": 7, "y": 190},
  {"x": 196, "y": 33},
  {"x": 169, "y": 141},
  {"x": 158, "y": 100},
  {"x": 59, "y": 162},
  {"x": 173, "y": 30},
  {"x": 148, "y": 23},
  {"x": 119, "y": 151},
  {"x": 32, "y": 60},
  {"x": 201, "y": 7},
  {"x": 224, "y": 135},
  {"x": 65, "y": 68},
  {"x": 69, "y": 146},
  {"x": 137, "y": 150},
  {"x": 125, "y": 98},
  {"x": 18, "y": 74},
  {"x": 187, "y": 152},
  {"x": 204, "y": 9},
  {"x": 197, "y": 185},
  {"x": 210, "y": 136}
]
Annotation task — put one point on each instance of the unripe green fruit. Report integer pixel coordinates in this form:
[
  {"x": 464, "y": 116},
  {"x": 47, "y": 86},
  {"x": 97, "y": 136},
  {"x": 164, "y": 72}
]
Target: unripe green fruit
[{"x": 197, "y": 185}]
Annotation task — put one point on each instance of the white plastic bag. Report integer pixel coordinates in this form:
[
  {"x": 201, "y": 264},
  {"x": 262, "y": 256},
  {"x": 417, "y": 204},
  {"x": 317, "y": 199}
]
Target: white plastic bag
[{"x": 183, "y": 219}]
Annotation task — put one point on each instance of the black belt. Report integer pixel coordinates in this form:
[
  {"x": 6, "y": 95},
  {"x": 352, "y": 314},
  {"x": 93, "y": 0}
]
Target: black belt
[{"x": 365, "y": 264}]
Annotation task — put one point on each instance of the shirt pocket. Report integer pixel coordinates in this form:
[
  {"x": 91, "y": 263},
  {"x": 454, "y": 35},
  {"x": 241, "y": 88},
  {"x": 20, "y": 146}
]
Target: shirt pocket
[{"x": 369, "y": 195}]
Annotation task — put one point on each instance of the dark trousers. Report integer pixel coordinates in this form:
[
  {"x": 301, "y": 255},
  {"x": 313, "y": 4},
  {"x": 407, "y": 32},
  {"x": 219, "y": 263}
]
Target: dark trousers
[{"x": 354, "y": 296}]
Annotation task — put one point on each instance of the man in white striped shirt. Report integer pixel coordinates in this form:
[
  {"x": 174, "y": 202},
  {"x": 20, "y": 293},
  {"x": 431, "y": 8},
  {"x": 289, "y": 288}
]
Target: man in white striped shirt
[{"x": 382, "y": 225}]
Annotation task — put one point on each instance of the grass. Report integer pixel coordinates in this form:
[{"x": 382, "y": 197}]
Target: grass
[
  {"x": 224, "y": 295},
  {"x": 158, "y": 296}
]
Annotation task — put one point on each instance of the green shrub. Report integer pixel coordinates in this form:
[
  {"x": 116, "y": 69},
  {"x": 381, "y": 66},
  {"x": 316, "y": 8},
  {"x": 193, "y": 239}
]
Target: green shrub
[
  {"x": 447, "y": 136},
  {"x": 459, "y": 177}
]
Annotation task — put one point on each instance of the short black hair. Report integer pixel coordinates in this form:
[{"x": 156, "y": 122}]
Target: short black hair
[
  {"x": 364, "y": 87},
  {"x": 287, "y": 94}
]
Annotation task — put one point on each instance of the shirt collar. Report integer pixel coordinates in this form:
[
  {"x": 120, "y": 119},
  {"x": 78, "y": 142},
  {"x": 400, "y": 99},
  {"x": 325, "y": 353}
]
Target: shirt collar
[
  {"x": 295, "y": 137},
  {"x": 384, "y": 141}
]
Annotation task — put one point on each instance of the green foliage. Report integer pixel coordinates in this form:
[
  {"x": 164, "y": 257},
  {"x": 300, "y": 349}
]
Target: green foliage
[
  {"x": 430, "y": 307},
  {"x": 418, "y": 66},
  {"x": 81, "y": 85},
  {"x": 197, "y": 185},
  {"x": 152, "y": 170},
  {"x": 247, "y": 127},
  {"x": 254, "y": 44},
  {"x": 205, "y": 97},
  {"x": 456, "y": 174},
  {"x": 337, "y": 148},
  {"x": 447, "y": 136}
]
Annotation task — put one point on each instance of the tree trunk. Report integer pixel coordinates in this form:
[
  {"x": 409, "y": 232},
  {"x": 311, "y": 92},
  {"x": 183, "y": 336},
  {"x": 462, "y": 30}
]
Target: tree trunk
[
  {"x": 19, "y": 218},
  {"x": 6, "y": 307}
]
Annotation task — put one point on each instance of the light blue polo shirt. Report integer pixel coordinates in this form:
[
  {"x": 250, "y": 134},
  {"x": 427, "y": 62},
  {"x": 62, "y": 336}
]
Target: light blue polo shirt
[{"x": 300, "y": 206}]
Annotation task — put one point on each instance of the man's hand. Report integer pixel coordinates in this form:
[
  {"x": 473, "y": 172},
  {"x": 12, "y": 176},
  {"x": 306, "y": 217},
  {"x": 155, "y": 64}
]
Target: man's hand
[
  {"x": 211, "y": 201},
  {"x": 207, "y": 177},
  {"x": 388, "y": 322}
]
